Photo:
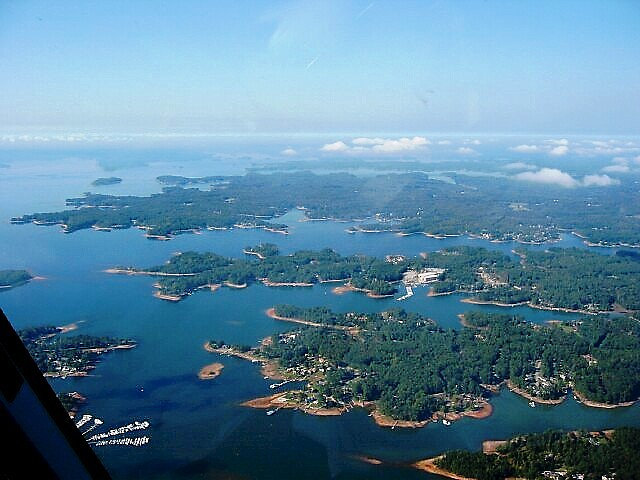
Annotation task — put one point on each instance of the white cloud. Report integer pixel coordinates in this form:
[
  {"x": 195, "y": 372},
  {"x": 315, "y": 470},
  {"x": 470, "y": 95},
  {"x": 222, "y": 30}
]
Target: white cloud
[
  {"x": 562, "y": 142},
  {"x": 599, "y": 181},
  {"x": 400, "y": 145},
  {"x": 444, "y": 142},
  {"x": 525, "y": 148},
  {"x": 473, "y": 142},
  {"x": 559, "y": 150},
  {"x": 554, "y": 176},
  {"x": 616, "y": 169},
  {"x": 466, "y": 151},
  {"x": 338, "y": 146},
  {"x": 378, "y": 145},
  {"x": 620, "y": 160},
  {"x": 551, "y": 176},
  {"x": 289, "y": 152},
  {"x": 637, "y": 160},
  {"x": 520, "y": 166}
]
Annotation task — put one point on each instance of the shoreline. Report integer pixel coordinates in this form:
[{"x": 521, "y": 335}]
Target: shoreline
[
  {"x": 271, "y": 313},
  {"x": 257, "y": 254},
  {"x": 277, "y": 401},
  {"x": 532, "y": 398},
  {"x": 593, "y": 404},
  {"x": 350, "y": 288},
  {"x": 269, "y": 283},
  {"x": 429, "y": 466},
  {"x": 127, "y": 271},
  {"x": 68, "y": 327},
  {"x": 475, "y": 301},
  {"x": 269, "y": 368}
]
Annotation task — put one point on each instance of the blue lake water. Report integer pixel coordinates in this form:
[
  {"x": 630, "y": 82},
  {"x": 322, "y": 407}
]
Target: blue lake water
[{"x": 198, "y": 430}]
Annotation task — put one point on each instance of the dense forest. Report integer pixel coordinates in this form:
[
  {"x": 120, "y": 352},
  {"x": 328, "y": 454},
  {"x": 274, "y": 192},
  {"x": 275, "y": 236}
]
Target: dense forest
[
  {"x": 411, "y": 368},
  {"x": 13, "y": 278},
  {"x": 411, "y": 202},
  {"x": 594, "y": 455},
  {"x": 303, "y": 267},
  {"x": 98, "y": 182},
  {"x": 574, "y": 279},
  {"x": 569, "y": 278},
  {"x": 63, "y": 355}
]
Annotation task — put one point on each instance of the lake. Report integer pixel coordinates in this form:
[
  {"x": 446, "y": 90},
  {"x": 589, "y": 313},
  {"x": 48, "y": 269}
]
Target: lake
[{"x": 197, "y": 428}]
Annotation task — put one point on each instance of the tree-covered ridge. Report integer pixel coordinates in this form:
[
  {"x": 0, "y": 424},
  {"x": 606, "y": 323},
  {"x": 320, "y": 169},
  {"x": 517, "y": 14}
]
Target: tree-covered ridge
[
  {"x": 106, "y": 181},
  {"x": 587, "y": 455},
  {"x": 13, "y": 278},
  {"x": 568, "y": 278},
  {"x": 412, "y": 202},
  {"x": 300, "y": 268},
  {"x": 63, "y": 355},
  {"x": 410, "y": 368}
]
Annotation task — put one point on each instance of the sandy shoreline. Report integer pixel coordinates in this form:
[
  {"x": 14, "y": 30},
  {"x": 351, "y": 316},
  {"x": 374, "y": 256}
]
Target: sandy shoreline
[
  {"x": 533, "y": 398},
  {"x": 127, "y": 271},
  {"x": 593, "y": 404},
  {"x": 475, "y": 301},
  {"x": 69, "y": 327},
  {"x": 278, "y": 400},
  {"x": 269, "y": 368},
  {"x": 249, "y": 252},
  {"x": 429, "y": 466},
  {"x": 269, "y": 283},
  {"x": 271, "y": 313},
  {"x": 164, "y": 296},
  {"x": 211, "y": 371},
  {"x": 350, "y": 288}
]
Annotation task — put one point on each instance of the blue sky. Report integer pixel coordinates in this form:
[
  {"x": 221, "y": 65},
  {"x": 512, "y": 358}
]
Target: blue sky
[{"x": 319, "y": 67}]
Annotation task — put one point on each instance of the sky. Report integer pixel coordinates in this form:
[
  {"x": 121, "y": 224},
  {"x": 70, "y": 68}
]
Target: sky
[{"x": 296, "y": 67}]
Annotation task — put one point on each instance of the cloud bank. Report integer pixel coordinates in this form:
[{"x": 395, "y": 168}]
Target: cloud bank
[
  {"x": 377, "y": 145},
  {"x": 525, "y": 148},
  {"x": 554, "y": 176},
  {"x": 551, "y": 176}
]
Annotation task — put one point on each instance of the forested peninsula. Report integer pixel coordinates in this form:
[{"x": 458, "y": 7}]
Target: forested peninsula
[
  {"x": 60, "y": 355},
  {"x": 500, "y": 209},
  {"x": 606, "y": 455},
  {"x": 567, "y": 279},
  {"x": 409, "y": 371}
]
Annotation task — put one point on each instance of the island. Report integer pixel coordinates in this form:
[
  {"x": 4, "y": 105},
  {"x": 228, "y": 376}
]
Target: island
[
  {"x": 209, "y": 372},
  {"x": 408, "y": 371},
  {"x": 61, "y": 355},
  {"x": 568, "y": 279},
  {"x": 552, "y": 455},
  {"x": 103, "y": 181},
  {"x": 13, "y": 278},
  {"x": 501, "y": 209},
  {"x": 188, "y": 272}
]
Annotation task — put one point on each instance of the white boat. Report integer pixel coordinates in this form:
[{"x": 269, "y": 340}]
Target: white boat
[
  {"x": 271, "y": 412},
  {"x": 532, "y": 404},
  {"x": 446, "y": 422}
]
